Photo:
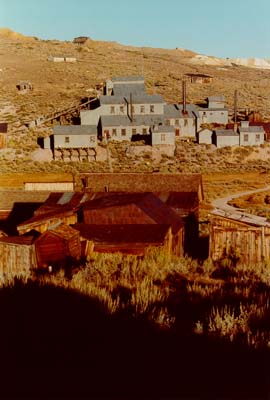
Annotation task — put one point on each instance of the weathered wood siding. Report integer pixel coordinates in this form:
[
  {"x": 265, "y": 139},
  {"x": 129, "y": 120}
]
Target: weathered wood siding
[
  {"x": 43, "y": 225},
  {"x": 250, "y": 244},
  {"x": 16, "y": 258},
  {"x": 53, "y": 249},
  {"x": 49, "y": 186}
]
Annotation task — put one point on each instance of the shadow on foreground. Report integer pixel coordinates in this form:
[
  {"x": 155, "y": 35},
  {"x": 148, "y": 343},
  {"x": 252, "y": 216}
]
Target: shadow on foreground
[{"x": 57, "y": 343}]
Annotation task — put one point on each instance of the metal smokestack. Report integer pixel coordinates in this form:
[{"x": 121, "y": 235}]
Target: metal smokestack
[
  {"x": 184, "y": 94},
  {"x": 235, "y": 110},
  {"x": 131, "y": 107}
]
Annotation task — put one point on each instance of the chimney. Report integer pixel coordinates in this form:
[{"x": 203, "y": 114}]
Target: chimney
[
  {"x": 131, "y": 107},
  {"x": 235, "y": 107},
  {"x": 184, "y": 96}
]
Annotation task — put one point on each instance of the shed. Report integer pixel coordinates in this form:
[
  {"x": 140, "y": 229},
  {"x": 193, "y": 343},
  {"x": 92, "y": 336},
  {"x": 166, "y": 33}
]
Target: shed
[
  {"x": 251, "y": 135},
  {"x": 17, "y": 254},
  {"x": 199, "y": 78},
  {"x": 240, "y": 236},
  {"x": 59, "y": 245},
  {"x": 43, "y": 222},
  {"x": 80, "y": 39},
  {"x": 129, "y": 239},
  {"x": 24, "y": 86},
  {"x": 225, "y": 137},
  {"x": 163, "y": 135},
  {"x": 205, "y": 136},
  {"x": 3, "y": 135}
]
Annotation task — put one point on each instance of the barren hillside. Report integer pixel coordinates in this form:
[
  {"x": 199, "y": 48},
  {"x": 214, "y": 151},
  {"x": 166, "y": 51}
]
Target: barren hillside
[{"x": 59, "y": 84}]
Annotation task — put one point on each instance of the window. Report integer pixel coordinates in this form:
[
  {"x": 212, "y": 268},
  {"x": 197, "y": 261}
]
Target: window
[
  {"x": 167, "y": 122},
  {"x": 142, "y": 109},
  {"x": 245, "y": 137},
  {"x": 106, "y": 133},
  {"x": 177, "y": 122},
  {"x": 112, "y": 109},
  {"x": 122, "y": 109},
  {"x": 66, "y": 139},
  {"x": 134, "y": 131},
  {"x": 152, "y": 108},
  {"x": 92, "y": 139},
  {"x": 144, "y": 131},
  {"x": 132, "y": 109},
  {"x": 185, "y": 122},
  {"x": 257, "y": 138},
  {"x": 114, "y": 132},
  {"x": 163, "y": 137},
  {"x": 123, "y": 132}
]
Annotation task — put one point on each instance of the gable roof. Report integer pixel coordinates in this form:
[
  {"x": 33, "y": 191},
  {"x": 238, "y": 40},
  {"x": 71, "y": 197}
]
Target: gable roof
[
  {"x": 125, "y": 90},
  {"x": 252, "y": 129},
  {"x": 57, "y": 200},
  {"x": 23, "y": 240},
  {"x": 225, "y": 132},
  {"x": 150, "y": 204},
  {"x": 75, "y": 130}
]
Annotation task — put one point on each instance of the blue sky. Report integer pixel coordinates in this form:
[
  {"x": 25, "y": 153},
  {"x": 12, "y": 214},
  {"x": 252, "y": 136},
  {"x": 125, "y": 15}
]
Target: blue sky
[{"x": 224, "y": 28}]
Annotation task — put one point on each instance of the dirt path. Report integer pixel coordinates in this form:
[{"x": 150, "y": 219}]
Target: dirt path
[{"x": 222, "y": 203}]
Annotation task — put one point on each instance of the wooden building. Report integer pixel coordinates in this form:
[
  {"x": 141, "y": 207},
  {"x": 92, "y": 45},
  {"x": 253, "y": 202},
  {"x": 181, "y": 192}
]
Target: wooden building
[
  {"x": 24, "y": 86},
  {"x": 241, "y": 237},
  {"x": 80, "y": 40},
  {"x": 129, "y": 239},
  {"x": 135, "y": 209},
  {"x": 43, "y": 222},
  {"x": 3, "y": 135},
  {"x": 199, "y": 78},
  {"x": 57, "y": 246},
  {"x": 17, "y": 254}
]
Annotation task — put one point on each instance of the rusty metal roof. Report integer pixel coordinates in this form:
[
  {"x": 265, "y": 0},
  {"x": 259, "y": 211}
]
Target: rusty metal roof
[
  {"x": 144, "y": 182},
  {"x": 56, "y": 201},
  {"x": 150, "y": 204},
  {"x": 242, "y": 217},
  {"x": 63, "y": 230},
  {"x": 123, "y": 233},
  {"x": 25, "y": 240},
  {"x": 65, "y": 211},
  {"x": 8, "y": 198}
]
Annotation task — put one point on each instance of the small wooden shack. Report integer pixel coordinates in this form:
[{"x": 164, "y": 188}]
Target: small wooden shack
[
  {"x": 24, "y": 86},
  {"x": 243, "y": 237},
  {"x": 43, "y": 222},
  {"x": 17, "y": 254},
  {"x": 80, "y": 40},
  {"x": 57, "y": 246},
  {"x": 128, "y": 239},
  {"x": 3, "y": 135},
  {"x": 199, "y": 78}
]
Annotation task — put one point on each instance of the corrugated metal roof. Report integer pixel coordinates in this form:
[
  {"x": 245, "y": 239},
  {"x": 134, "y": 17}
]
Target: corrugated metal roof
[
  {"x": 64, "y": 231},
  {"x": 176, "y": 111},
  {"x": 19, "y": 240},
  {"x": 242, "y": 217},
  {"x": 65, "y": 211},
  {"x": 226, "y": 132},
  {"x": 127, "y": 78},
  {"x": 164, "y": 128},
  {"x": 123, "y": 233},
  {"x": 136, "y": 99},
  {"x": 8, "y": 198},
  {"x": 252, "y": 129},
  {"x": 216, "y": 98},
  {"x": 75, "y": 130},
  {"x": 125, "y": 90},
  {"x": 138, "y": 120}
]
